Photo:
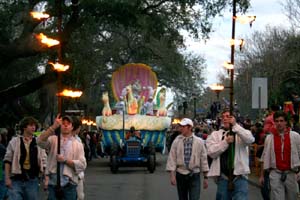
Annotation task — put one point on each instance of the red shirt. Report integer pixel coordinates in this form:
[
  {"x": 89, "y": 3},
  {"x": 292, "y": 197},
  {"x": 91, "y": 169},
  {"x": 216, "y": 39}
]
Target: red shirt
[{"x": 282, "y": 151}]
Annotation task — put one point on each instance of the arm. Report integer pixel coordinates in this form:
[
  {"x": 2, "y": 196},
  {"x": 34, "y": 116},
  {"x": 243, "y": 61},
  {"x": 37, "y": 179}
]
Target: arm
[
  {"x": 245, "y": 135},
  {"x": 171, "y": 163},
  {"x": 51, "y": 130},
  {"x": 215, "y": 146}
]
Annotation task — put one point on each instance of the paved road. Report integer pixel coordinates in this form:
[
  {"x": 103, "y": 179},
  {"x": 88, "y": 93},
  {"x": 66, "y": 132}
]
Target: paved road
[{"x": 136, "y": 183}]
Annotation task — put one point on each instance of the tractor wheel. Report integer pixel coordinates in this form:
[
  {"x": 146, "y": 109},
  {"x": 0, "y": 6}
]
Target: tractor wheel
[
  {"x": 151, "y": 163},
  {"x": 113, "y": 164}
]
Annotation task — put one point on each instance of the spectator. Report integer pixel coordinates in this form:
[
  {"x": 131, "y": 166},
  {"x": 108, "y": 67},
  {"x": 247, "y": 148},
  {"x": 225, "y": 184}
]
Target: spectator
[
  {"x": 23, "y": 163},
  {"x": 3, "y": 189},
  {"x": 281, "y": 157},
  {"x": 71, "y": 159}
]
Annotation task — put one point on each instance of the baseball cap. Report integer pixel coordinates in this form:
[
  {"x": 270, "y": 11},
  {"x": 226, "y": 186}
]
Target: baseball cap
[
  {"x": 68, "y": 118},
  {"x": 186, "y": 121}
]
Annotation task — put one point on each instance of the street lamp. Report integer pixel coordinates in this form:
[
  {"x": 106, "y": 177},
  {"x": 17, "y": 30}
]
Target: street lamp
[
  {"x": 217, "y": 88},
  {"x": 194, "y": 96}
]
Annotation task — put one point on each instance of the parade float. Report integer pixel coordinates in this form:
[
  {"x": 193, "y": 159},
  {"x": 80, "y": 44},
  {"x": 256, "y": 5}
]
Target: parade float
[{"x": 140, "y": 105}]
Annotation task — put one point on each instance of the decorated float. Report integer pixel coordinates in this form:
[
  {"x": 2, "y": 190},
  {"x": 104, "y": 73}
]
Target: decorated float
[{"x": 134, "y": 88}]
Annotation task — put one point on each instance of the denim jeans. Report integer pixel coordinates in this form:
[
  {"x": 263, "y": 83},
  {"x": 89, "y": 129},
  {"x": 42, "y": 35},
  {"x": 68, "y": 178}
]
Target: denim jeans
[
  {"x": 24, "y": 190},
  {"x": 240, "y": 191},
  {"x": 69, "y": 192},
  {"x": 188, "y": 186},
  {"x": 3, "y": 190}
]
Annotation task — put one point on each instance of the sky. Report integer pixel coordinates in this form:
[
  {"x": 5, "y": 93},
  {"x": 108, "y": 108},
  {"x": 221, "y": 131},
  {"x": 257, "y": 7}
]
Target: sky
[{"x": 217, "y": 49}]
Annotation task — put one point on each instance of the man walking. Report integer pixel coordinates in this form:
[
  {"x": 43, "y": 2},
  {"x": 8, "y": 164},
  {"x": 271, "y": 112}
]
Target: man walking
[
  {"x": 281, "y": 157},
  {"x": 71, "y": 159},
  {"x": 218, "y": 149},
  {"x": 187, "y": 158},
  {"x": 23, "y": 163}
]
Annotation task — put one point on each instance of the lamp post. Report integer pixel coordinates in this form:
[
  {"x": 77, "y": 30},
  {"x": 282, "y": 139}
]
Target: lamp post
[{"x": 194, "y": 96}]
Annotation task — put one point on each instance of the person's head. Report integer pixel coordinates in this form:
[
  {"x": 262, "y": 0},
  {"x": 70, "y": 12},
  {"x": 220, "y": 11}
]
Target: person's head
[
  {"x": 186, "y": 126},
  {"x": 295, "y": 118},
  {"x": 225, "y": 117},
  {"x": 281, "y": 120},
  {"x": 76, "y": 125},
  {"x": 197, "y": 130},
  {"x": 67, "y": 125},
  {"x": 28, "y": 125}
]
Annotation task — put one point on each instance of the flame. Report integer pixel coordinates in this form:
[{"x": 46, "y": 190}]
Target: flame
[
  {"x": 245, "y": 19},
  {"x": 217, "y": 87},
  {"x": 39, "y": 15},
  {"x": 240, "y": 42},
  {"x": 59, "y": 67},
  {"x": 175, "y": 121},
  {"x": 47, "y": 41},
  {"x": 70, "y": 93},
  {"x": 88, "y": 122},
  {"x": 228, "y": 65}
]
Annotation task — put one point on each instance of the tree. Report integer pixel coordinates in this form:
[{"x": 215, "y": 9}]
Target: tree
[
  {"x": 274, "y": 54},
  {"x": 111, "y": 33}
]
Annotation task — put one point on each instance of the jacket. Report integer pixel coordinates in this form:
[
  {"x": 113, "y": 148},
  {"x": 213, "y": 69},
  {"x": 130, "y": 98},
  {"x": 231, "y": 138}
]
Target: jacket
[
  {"x": 13, "y": 155},
  {"x": 216, "y": 146},
  {"x": 198, "y": 161},
  {"x": 269, "y": 157},
  {"x": 76, "y": 154}
]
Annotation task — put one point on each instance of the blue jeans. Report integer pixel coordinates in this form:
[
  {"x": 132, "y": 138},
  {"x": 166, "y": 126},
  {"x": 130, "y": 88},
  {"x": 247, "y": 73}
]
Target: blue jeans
[
  {"x": 188, "y": 186},
  {"x": 3, "y": 190},
  {"x": 68, "y": 192},
  {"x": 240, "y": 191},
  {"x": 24, "y": 190}
]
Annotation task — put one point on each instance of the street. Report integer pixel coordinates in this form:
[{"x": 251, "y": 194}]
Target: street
[{"x": 136, "y": 183}]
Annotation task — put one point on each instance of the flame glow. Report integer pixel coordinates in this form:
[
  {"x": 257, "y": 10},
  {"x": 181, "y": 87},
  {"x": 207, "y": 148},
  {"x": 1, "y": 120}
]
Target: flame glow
[
  {"x": 59, "y": 67},
  {"x": 88, "y": 122},
  {"x": 217, "y": 87},
  {"x": 240, "y": 42},
  {"x": 175, "y": 121},
  {"x": 70, "y": 93},
  {"x": 47, "y": 41},
  {"x": 228, "y": 65},
  {"x": 245, "y": 19},
  {"x": 39, "y": 15}
]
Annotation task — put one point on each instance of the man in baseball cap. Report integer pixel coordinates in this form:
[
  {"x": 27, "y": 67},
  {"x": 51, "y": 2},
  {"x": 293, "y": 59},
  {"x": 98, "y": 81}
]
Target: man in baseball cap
[
  {"x": 186, "y": 121},
  {"x": 184, "y": 171}
]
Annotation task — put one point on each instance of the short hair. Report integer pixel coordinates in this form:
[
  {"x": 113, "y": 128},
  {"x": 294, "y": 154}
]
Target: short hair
[
  {"x": 228, "y": 110},
  {"x": 27, "y": 121},
  {"x": 132, "y": 129},
  {"x": 280, "y": 114},
  {"x": 275, "y": 107}
]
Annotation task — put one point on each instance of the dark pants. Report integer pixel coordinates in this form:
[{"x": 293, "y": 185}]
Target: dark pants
[
  {"x": 188, "y": 186},
  {"x": 265, "y": 189}
]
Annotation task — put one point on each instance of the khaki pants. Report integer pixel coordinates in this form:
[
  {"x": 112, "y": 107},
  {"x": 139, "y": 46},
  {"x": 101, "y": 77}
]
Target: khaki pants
[{"x": 286, "y": 190}]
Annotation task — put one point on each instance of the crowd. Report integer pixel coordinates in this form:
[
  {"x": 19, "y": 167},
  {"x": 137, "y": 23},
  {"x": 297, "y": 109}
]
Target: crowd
[
  {"x": 219, "y": 149},
  {"x": 55, "y": 158},
  {"x": 228, "y": 146}
]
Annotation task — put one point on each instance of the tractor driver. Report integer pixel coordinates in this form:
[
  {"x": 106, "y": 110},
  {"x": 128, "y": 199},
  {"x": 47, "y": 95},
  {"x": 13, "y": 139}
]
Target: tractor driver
[{"x": 133, "y": 133}]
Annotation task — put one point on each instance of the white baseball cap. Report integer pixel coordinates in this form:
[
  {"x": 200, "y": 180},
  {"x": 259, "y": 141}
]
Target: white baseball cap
[{"x": 186, "y": 121}]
